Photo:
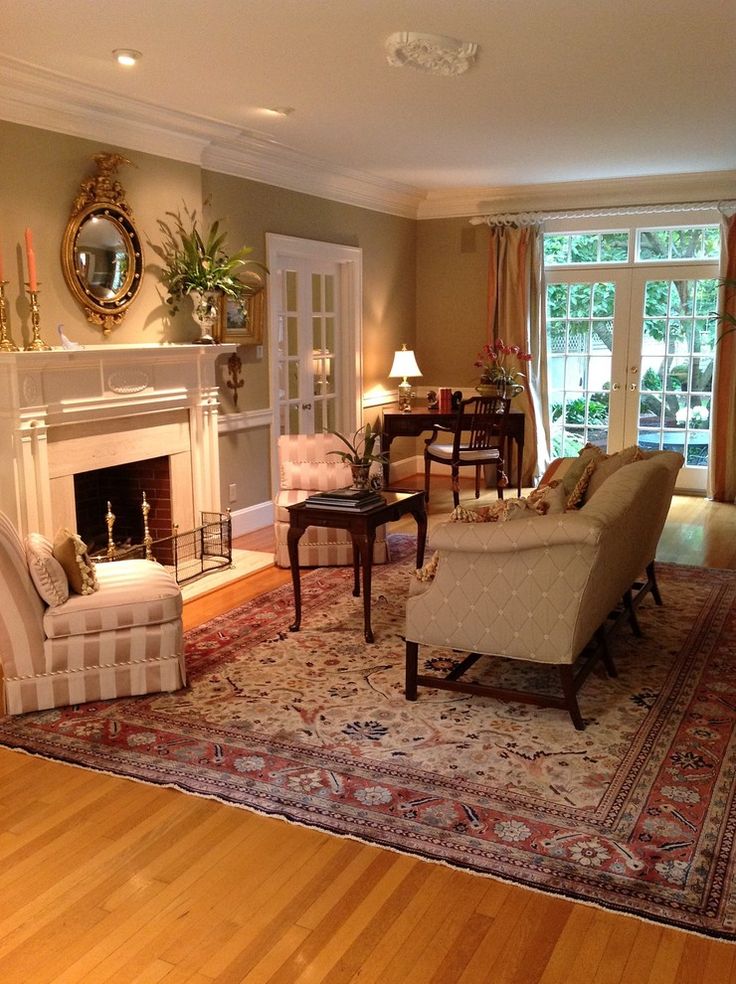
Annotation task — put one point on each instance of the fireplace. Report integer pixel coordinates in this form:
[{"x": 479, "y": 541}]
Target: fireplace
[
  {"x": 123, "y": 487},
  {"x": 66, "y": 414}
]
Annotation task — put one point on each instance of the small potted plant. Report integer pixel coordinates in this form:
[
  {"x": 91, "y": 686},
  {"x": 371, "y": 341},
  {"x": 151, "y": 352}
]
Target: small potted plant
[
  {"x": 360, "y": 455},
  {"x": 195, "y": 263}
]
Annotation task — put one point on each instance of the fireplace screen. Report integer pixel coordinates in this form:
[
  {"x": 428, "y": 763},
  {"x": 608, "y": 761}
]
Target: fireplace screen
[{"x": 188, "y": 555}]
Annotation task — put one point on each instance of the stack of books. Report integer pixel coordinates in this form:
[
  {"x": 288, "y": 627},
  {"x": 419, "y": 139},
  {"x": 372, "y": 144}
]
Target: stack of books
[{"x": 345, "y": 499}]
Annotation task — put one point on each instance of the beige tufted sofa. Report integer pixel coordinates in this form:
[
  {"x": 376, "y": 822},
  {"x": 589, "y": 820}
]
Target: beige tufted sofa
[
  {"x": 540, "y": 589},
  {"x": 126, "y": 638},
  {"x": 305, "y": 466}
]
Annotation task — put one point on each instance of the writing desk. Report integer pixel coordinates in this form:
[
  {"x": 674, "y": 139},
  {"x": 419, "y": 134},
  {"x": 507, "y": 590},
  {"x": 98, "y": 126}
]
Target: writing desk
[{"x": 420, "y": 419}]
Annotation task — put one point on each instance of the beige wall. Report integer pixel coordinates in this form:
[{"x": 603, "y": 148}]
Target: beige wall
[
  {"x": 389, "y": 260},
  {"x": 452, "y": 274},
  {"x": 40, "y": 173}
]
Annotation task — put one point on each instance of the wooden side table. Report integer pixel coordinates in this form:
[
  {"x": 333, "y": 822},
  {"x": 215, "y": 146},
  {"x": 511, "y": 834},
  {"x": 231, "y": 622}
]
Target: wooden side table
[{"x": 361, "y": 524}]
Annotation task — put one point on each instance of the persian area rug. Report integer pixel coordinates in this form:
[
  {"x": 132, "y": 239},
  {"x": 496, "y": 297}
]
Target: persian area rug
[{"x": 636, "y": 813}]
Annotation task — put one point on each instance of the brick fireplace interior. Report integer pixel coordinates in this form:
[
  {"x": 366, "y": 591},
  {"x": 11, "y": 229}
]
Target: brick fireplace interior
[{"x": 123, "y": 487}]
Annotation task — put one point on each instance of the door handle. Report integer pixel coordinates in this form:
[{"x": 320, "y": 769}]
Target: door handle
[
  {"x": 633, "y": 386},
  {"x": 634, "y": 370},
  {"x": 306, "y": 406},
  {"x": 616, "y": 387}
]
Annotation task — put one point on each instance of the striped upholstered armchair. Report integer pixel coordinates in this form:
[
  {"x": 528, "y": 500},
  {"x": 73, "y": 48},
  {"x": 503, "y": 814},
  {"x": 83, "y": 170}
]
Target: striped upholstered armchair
[
  {"x": 305, "y": 466},
  {"x": 122, "y": 639}
]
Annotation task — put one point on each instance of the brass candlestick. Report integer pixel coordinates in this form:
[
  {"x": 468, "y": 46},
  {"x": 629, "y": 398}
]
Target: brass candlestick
[
  {"x": 36, "y": 343},
  {"x": 6, "y": 342},
  {"x": 110, "y": 520},
  {"x": 147, "y": 538}
]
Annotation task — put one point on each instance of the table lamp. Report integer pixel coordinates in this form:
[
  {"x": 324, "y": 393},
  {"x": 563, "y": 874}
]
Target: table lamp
[{"x": 404, "y": 364}]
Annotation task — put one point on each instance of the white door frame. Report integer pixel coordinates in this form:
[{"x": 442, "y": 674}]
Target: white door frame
[{"x": 349, "y": 261}]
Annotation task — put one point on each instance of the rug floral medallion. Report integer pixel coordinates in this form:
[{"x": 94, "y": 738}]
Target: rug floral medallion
[{"x": 636, "y": 813}]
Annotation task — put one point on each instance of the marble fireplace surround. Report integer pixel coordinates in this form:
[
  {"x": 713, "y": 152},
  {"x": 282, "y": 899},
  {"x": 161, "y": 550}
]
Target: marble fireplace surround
[{"x": 65, "y": 412}]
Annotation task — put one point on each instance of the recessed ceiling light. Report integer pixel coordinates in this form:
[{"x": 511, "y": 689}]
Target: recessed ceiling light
[
  {"x": 279, "y": 111},
  {"x": 126, "y": 56}
]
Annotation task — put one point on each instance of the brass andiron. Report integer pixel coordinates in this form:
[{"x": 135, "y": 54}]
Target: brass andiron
[
  {"x": 6, "y": 342},
  {"x": 110, "y": 520},
  {"x": 147, "y": 538},
  {"x": 36, "y": 343}
]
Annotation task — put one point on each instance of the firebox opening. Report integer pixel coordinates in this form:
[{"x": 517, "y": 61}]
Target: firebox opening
[{"x": 123, "y": 487}]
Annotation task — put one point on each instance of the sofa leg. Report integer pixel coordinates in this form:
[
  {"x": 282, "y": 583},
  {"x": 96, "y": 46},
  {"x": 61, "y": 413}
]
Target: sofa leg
[
  {"x": 629, "y": 606},
  {"x": 653, "y": 586},
  {"x": 412, "y": 664},
  {"x": 602, "y": 639},
  {"x": 571, "y": 701}
]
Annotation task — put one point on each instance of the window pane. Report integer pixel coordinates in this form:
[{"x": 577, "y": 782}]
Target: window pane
[
  {"x": 614, "y": 247},
  {"x": 685, "y": 243},
  {"x": 586, "y": 247},
  {"x": 677, "y": 367},
  {"x": 579, "y": 364}
]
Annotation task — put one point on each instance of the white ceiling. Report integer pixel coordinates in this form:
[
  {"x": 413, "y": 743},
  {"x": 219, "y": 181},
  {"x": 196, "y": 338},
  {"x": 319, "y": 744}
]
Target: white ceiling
[{"x": 562, "y": 90}]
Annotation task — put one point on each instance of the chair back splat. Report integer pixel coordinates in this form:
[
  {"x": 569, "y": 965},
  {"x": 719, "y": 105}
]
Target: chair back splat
[{"x": 488, "y": 425}]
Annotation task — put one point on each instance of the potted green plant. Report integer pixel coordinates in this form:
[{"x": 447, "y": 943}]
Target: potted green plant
[
  {"x": 196, "y": 263},
  {"x": 360, "y": 454}
]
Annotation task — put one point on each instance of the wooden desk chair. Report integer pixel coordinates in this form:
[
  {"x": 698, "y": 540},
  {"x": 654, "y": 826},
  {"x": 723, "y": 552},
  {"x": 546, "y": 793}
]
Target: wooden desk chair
[{"x": 484, "y": 445}]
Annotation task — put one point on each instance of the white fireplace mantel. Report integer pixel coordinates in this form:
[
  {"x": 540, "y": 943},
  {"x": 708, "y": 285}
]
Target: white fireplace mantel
[{"x": 68, "y": 411}]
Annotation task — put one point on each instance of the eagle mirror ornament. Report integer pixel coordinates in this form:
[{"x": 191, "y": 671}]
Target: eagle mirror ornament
[{"x": 101, "y": 253}]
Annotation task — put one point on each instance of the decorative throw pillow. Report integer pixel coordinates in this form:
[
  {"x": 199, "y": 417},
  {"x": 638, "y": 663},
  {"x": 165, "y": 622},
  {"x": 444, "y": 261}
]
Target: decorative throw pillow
[
  {"x": 71, "y": 552},
  {"x": 577, "y": 496},
  {"x": 610, "y": 464},
  {"x": 47, "y": 573},
  {"x": 553, "y": 496},
  {"x": 571, "y": 477}
]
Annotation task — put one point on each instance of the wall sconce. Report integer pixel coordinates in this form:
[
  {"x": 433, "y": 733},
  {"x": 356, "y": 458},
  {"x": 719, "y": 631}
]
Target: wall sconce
[{"x": 404, "y": 365}]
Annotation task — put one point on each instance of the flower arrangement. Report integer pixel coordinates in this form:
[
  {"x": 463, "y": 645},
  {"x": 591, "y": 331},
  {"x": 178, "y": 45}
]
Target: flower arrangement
[
  {"x": 197, "y": 262},
  {"x": 493, "y": 361}
]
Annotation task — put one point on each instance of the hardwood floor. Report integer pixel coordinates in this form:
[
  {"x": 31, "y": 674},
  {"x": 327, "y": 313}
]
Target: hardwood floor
[{"x": 106, "y": 880}]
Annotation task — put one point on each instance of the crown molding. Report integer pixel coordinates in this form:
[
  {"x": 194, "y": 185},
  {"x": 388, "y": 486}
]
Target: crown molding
[
  {"x": 34, "y": 96},
  {"x": 249, "y": 156},
  {"x": 650, "y": 190}
]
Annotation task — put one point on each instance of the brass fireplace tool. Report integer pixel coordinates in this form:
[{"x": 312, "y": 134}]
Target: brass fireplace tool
[
  {"x": 36, "y": 343},
  {"x": 6, "y": 342},
  {"x": 110, "y": 520},
  {"x": 147, "y": 538}
]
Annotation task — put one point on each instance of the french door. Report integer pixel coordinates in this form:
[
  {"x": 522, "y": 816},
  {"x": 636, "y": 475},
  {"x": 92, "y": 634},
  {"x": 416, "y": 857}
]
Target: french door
[
  {"x": 315, "y": 326},
  {"x": 630, "y": 359}
]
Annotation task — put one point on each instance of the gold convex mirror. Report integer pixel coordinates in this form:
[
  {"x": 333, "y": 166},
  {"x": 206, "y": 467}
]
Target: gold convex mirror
[{"x": 101, "y": 253}]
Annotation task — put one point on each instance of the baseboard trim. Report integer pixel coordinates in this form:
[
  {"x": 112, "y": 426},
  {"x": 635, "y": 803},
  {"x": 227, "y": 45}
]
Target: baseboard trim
[{"x": 252, "y": 518}]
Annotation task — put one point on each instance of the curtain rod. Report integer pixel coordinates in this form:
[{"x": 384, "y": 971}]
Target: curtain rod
[{"x": 534, "y": 218}]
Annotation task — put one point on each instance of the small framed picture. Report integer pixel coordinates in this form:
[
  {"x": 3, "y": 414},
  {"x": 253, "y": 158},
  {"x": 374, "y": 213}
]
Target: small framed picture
[{"x": 242, "y": 321}]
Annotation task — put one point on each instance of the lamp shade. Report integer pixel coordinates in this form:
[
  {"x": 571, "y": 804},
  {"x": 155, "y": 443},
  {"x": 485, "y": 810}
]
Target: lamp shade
[{"x": 404, "y": 364}]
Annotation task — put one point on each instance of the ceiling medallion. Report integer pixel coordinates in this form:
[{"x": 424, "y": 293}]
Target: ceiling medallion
[{"x": 433, "y": 53}]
